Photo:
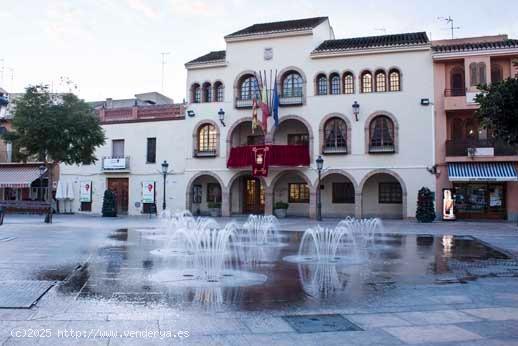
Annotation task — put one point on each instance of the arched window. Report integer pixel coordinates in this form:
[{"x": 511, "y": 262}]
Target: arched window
[
  {"x": 334, "y": 84},
  {"x": 335, "y": 136},
  {"x": 207, "y": 92},
  {"x": 348, "y": 83},
  {"x": 381, "y": 134},
  {"x": 366, "y": 82},
  {"x": 321, "y": 84},
  {"x": 219, "y": 92},
  {"x": 381, "y": 81},
  {"x": 196, "y": 93},
  {"x": 292, "y": 84},
  {"x": 207, "y": 139},
  {"x": 457, "y": 87},
  {"x": 248, "y": 88},
  {"x": 482, "y": 73},
  {"x": 496, "y": 73},
  {"x": 473, "y": 74},
  {"x": 394, "y": 80}
]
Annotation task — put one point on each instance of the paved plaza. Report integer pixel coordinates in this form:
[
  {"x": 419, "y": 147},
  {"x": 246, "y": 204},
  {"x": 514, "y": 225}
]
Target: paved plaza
[{"x": 427, "y": 310}]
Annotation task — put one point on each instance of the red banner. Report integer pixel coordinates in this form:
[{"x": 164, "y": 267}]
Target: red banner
[
  {"x": 261, "y": 161},
  {"x": 261, "y": 157}
]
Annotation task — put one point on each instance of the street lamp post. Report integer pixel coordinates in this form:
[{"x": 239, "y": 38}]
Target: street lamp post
[
  {"x": 320, "y": 165},
  {"x": 165, "y": 167}
]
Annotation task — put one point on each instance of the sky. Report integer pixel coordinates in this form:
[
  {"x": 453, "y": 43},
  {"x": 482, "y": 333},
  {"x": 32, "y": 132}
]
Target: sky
[{"x": 112, "y": 48}]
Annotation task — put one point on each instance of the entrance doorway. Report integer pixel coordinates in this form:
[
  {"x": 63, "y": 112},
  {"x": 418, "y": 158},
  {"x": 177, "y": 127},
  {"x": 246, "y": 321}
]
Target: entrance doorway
[
  {"x": 119, "y": 186},
  {"x": 253, "y": 195}
]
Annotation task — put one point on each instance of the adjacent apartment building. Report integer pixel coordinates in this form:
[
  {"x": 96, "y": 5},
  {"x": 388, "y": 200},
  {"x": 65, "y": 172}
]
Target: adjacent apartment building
[
  {"x": 478, "y": 169},
  {"x": 141, "y": 133}
]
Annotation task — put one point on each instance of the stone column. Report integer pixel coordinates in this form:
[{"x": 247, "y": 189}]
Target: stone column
[
  {"x": 358, "y": 205},
  {"x": 313, "y": 204},
  {"x": 225, "y": 203},
  {"x": 268, "y": 201}
]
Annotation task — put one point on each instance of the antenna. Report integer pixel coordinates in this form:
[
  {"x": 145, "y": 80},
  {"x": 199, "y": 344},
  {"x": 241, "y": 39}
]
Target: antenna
[
  {"x": 449, "y": 20},
  {"x": 164, "y": 62}
]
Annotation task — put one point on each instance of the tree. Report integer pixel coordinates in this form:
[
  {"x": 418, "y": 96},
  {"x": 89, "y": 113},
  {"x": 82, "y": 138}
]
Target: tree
[
  {"x": 54, "y": 129},
  {"x": 499, "y": 109},
  {"x": 425, "y": 206},
  {"x": 109, "y": 204}
]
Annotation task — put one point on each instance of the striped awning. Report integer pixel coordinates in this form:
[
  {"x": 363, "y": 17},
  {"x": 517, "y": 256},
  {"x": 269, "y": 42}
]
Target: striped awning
[
  {"x": 482, "y": 171},
  {"x": 18, "y": 176}
]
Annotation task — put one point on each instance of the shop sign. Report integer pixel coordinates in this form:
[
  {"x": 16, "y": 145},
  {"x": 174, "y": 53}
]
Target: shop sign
[
  {"x": 148, "y": 191},
  {"x": 448, "y": 204},
  {"x": 85, "y": 191}
]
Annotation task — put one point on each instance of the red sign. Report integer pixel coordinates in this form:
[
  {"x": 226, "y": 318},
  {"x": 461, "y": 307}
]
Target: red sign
[{"x": 261, "y": 161}]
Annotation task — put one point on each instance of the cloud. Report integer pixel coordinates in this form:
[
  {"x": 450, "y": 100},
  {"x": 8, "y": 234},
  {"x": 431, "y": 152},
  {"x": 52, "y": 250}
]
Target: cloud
[
  {"x": 197, "y": 7},
  {"x": 65, "y": 22},
  {"x": 143, "y": 8}
]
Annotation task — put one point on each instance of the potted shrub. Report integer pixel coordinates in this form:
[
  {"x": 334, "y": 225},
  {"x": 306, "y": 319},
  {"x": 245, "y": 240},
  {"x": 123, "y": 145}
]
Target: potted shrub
[
  {"x": 214, "y": 209},
  {"x": 280, "y": 209},
  {"x": 109, "y": 204},
  {"x": 425, "y": 206}
]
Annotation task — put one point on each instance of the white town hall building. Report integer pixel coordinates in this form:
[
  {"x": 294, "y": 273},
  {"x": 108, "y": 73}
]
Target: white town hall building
[{"x": 365, "y": 105}]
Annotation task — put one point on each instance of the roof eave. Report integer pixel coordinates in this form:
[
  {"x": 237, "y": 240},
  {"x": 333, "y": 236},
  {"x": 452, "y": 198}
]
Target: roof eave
[
  {"x": 208, "y": 64},
  {"x": 269, "y": 35},
  {"x": 462, "y": 53},
  {"x": 375, "y": 50}
]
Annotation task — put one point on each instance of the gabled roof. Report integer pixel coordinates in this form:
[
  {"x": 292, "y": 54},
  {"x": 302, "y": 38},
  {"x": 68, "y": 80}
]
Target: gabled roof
[
  {"x": 459, "y": 46},
  {"x": 369, "y": 42},
  {"x": 277, "y": 27},
  {"x": 214, "y": 56}
]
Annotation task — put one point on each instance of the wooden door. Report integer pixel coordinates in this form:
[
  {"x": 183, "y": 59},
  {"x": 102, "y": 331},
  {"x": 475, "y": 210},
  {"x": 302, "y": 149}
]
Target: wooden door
[
  {"x": 120, "y": 187},
  {"x": 253, "y": 196}
]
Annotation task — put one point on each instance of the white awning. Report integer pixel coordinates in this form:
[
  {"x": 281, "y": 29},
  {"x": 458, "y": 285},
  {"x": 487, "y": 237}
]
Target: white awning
[
  {"x": 482, "y": 171},
  {"x": 18, "y": 176}
]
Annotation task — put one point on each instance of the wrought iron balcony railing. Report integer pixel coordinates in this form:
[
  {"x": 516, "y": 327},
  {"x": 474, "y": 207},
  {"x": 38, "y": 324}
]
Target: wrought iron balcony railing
[
  {"x": 375, "y": 149},
  {"x": 334, "y": 149},
  {"x": 204, "y": 153},
  {"x": 455, "y": 92},
  {"x": 468, "y": 147},
  {"x": 243, "y": 103}
]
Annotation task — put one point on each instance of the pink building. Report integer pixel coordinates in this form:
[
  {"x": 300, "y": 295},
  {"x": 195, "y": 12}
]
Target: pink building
[{"x": 479, "y": 170}]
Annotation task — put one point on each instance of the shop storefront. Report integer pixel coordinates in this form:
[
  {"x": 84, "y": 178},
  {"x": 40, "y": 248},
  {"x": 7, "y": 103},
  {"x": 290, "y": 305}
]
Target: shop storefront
[
  {"x": 480, "y": 200},
  {"x": 479, "y": 189}
]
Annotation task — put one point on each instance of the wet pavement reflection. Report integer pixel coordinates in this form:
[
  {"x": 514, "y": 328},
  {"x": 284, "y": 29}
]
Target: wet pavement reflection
[{"x": 123, "y": 270}]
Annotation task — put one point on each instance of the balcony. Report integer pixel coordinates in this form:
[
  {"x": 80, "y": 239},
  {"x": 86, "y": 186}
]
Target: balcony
[
  {"x": 382, "y": 149},
  {"x": 279, "y": 155},
  {"x": 204, "y": 153},
  {"x": 243, "y": 104},
  {"x": 115, "y": 164},
  {"x": 334, "y": 150},
  {"x": 291, "y": 97},
  {"x": 454, "y": 92},
  {"x": 479, "y": 148},
  {"x": 458, "y": 99}
]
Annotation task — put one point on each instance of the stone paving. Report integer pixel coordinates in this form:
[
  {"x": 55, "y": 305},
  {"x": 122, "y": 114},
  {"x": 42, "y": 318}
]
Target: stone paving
[{"x": 480, "y": 312}]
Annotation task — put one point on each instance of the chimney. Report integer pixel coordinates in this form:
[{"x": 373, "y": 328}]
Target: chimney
[
  {"x": 9, "y": 146},
  {"x": 109, "y": 102}
]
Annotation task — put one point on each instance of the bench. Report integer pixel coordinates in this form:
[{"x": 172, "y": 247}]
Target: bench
[{"x": 25, "y": 207}]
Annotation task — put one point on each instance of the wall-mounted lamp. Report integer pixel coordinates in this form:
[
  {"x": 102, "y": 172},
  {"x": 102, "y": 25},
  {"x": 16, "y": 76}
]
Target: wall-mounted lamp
[
  {"x": 425, "y": 102},
  {"x": 356, "y": 109},
  {"x": 432, "y": 170},
  {"x": 221, "y": 115}
]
